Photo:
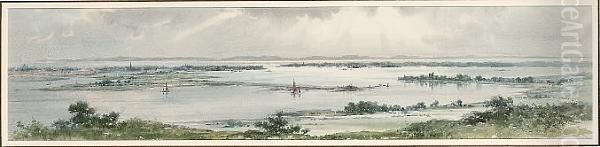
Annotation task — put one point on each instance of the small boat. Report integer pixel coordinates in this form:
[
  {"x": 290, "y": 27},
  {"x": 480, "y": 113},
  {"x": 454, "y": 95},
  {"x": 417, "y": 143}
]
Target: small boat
[
  {"x": 295, "y": 89},
  {"x": 165, "y": 89}
]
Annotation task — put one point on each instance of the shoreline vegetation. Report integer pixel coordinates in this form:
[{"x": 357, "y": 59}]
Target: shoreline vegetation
[
  {"x": 466, "y": 78},
  {"x": 351, "y": 65},
  {"x": 549, "y": 84},
  {"x": 501, "y": 119}
]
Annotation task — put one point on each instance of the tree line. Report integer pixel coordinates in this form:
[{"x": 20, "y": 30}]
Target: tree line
[
  {"x": 465, "y": 78},
  {"x": 370, "y": 107}
]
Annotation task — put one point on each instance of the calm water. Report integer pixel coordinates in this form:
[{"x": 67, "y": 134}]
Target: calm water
[{"x": 251, "y": 102}]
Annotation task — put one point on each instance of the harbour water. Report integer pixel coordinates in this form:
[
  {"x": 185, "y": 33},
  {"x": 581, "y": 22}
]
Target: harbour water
[{"x": 205, "y": 103}]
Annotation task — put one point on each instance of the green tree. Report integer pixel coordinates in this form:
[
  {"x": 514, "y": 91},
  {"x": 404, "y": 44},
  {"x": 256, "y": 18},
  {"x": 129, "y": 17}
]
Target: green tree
[
  {"x": 83, "y": 115},
  {"x": 457, "y": 103},
  {"x": 435, "y": 103},
  {"x": 420, "y": 105},
  {"x": 501, "y": 107},
  {"x": 479, "y": 78},
  {"x": 109, "y": 120},
  {"x": 62, "y": 124},
  {"x": 279, "y": 126},
  {"x": 35, "y": 131},
  {"x": 351, "y": 108}
]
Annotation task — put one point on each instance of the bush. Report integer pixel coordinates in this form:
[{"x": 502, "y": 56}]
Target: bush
[
  {"x": 475, "y": 118},
  {"x": 501, "y": 109},
  {"x": 85, "y": 116},
  {"x": 435, "y": 103},
  {"x": 364, "y": 108},
  {"x": 62, "y": 124},
  {"x": 457, "y": 103},
  {"x": 538, "y": 117},
  {"x": 279, "y": 126},
  {"x": 432, "y": 129},
  {"x": 33, "y": 131}
]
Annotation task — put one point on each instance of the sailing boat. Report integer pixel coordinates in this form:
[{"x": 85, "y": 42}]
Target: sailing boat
[
  {"x": 165, "y": 89},
  {"x": 295, "y": 89}
]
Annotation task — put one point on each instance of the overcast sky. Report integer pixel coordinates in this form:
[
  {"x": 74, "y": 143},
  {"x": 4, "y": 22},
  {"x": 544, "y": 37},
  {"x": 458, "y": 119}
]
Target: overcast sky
[{"x": 288, "y": 32}]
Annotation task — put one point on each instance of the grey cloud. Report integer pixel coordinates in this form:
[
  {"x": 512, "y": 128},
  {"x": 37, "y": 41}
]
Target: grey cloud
[
  {"x": 85, "y": 33},
  {"x": 291, "y": 13}
]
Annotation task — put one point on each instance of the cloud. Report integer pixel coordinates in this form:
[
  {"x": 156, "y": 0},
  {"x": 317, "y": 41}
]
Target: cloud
[
  {"x": 40, "y": 39},
  {"x": 290, "y": 32},
  {"x": 205, "y": 24},
  {"x": 354, "y": 31}
]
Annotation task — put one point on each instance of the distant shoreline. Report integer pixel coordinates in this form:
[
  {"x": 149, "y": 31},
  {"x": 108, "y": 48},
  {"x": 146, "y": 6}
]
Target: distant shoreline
[{"x": 278, "y": 58}]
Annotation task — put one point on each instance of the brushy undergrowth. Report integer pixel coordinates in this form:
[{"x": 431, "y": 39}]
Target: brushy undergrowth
[{"x": 503, "y": 120}]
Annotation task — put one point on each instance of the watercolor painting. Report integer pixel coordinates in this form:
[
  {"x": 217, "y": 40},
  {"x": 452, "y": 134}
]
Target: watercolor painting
[{"x": 346, "y": 72}]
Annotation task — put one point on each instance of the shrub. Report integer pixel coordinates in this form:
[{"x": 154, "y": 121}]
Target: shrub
[
  {"x": 363, "y": 107},
  {"x": 279, "y": 126},
  {"x": 434, "y": 103},
  {"x": 457, "y": 103},
  {"x": 85, "y": 116},
  {"x": 32, "y": 131},
  {"x": 432, "y": 129}
]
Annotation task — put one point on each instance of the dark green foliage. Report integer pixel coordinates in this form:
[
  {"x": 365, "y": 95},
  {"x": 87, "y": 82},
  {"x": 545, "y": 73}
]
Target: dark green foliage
[
  {"x": 109, "y": 120},
  {"x": 465, "y": 78},
  {"x": 362, "y": 107},
  {"x": 504, "y": 116},
  {"x": 479, "y": 78},
  {"x": 461, "y": 77},
  {"x": 105, "y": 82},
  {"x": 537, "y": 117},
  {"x": 395, "y": 108},
  {"x": 503, "y": 119},
  {"x": 475, "y": 118},
  {"x": 420, "y": 105},
  {"x": 417, "y": 107},
  {"x": 92, "y": 126},
  {"x": 368, "y": 107},
  {"x": 85, "y": 116},
  {"x": 457, "y": 103},
  {"x": 34, "y": 130},
  {"x": 279, "y": 126},
  {"x": 62, "y": 124},
  {"x": 501, "y": 109},
  {"x": 435, "y": 103},
  {"x": 442, "y": 129},
  {"x": 499, "y": 102},
  {"x": 544, "y": 117}
]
